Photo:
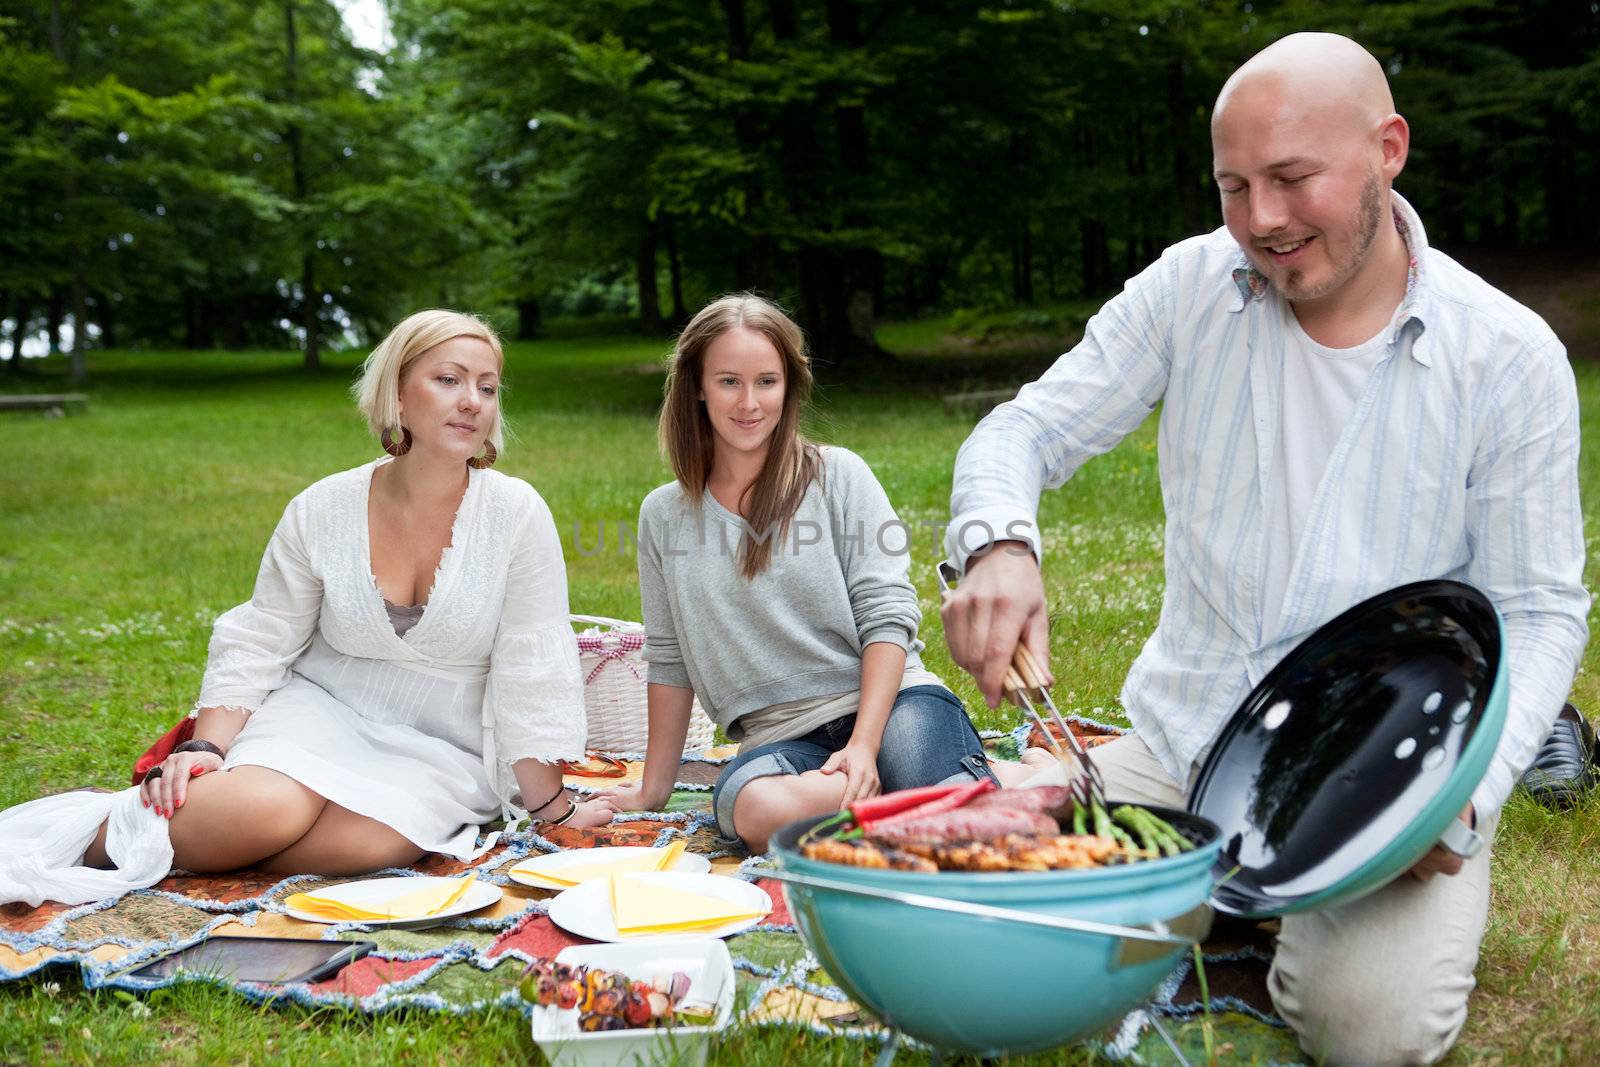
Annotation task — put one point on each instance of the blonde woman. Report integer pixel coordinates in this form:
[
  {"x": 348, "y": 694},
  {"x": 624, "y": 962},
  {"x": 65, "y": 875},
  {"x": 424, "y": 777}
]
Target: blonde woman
[
  {"x": 773, "y": 576},
  {"x": 403, "y": 672}
]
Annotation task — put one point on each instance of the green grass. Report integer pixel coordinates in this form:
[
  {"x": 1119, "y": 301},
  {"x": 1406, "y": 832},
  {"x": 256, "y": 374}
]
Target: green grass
[{"x": 125, "y": 529}]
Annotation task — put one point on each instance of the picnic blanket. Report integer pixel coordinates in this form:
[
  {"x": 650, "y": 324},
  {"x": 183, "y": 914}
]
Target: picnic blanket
[{"x": 471, "y": 963}]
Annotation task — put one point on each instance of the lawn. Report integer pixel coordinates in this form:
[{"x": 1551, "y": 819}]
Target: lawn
[{"x": 124, "y": 530}]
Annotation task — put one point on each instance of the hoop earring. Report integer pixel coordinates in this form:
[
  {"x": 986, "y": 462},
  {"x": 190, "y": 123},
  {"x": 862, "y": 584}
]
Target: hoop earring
[
  {"x": 396, "y": 449},
  {"x": 485, "y": 461}
]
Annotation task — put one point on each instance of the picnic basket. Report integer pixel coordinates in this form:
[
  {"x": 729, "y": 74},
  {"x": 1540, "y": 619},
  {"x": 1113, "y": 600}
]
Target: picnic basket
[{"x": 611, "y": 656}]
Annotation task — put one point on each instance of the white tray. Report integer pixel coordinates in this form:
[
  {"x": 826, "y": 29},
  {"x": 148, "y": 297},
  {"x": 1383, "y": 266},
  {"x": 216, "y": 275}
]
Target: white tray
[{"x": 710, "y": 971}]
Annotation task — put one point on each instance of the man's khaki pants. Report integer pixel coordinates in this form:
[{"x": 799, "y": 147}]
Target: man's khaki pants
[{"x": 1381, "y": 980}]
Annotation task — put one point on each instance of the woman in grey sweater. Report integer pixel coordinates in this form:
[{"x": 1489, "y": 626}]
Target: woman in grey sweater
[{"x": 773, "y": 576}]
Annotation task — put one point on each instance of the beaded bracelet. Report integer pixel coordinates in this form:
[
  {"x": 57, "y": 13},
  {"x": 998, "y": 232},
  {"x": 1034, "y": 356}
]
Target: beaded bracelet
[
  {"x": 562, "y": 788},
  {"x": 200, "y": 746}
]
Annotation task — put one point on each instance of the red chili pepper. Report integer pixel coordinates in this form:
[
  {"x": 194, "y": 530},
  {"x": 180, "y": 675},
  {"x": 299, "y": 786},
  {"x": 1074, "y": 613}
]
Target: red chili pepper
[
  {"x": 949, "y": 802},
  {"x": 887, "y": 804}
]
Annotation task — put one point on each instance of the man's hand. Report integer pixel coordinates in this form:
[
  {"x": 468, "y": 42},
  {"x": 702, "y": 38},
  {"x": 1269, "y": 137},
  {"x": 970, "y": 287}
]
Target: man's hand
[
  {"x": 1439, "y": 859},
  {"x": 998, "y": 603}
]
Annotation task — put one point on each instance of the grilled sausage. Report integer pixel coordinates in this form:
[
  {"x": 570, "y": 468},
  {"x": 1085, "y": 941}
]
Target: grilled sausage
[{"x": 968, "y": 824}]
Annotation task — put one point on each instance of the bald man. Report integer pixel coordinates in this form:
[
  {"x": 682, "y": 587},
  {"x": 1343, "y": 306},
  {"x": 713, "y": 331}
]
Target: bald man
[{"x": 1344, "y": 410}]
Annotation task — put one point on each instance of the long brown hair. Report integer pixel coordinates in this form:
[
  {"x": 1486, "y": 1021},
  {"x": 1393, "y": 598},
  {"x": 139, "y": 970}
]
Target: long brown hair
[{"x": 689, "y": 444}]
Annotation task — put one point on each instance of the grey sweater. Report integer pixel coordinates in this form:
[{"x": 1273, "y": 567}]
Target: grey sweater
[{"x": 835, "y": 584}]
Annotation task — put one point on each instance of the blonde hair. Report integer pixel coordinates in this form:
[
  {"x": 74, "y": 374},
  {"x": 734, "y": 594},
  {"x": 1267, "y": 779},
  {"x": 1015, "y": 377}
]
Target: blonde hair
[
  {"x": 377, "y": 391},
  {"x": 687, "y": 440}
]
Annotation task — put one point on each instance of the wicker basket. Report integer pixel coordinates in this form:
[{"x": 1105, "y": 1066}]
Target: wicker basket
[{"x": 611, "y": 654}]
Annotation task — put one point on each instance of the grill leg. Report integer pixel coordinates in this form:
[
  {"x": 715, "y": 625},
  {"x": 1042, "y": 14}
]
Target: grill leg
[{"x": 886, "y": 1055}]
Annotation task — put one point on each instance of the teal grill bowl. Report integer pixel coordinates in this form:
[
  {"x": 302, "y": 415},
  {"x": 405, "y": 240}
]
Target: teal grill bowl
[{"x": 991, "y": 986}]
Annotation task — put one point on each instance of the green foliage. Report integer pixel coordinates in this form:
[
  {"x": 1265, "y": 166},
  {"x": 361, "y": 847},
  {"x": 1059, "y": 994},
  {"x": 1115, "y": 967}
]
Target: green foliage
[{"x": 165, "y": 165}]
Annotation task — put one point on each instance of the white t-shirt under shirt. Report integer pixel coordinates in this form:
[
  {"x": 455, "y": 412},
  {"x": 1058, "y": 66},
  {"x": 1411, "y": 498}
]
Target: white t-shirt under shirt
[{"x": 1321, "y": 387}]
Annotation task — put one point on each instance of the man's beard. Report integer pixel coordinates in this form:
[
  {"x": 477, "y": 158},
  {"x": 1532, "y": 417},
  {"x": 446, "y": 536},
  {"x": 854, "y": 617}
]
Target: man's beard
[{"x": 1368, "y": 216}]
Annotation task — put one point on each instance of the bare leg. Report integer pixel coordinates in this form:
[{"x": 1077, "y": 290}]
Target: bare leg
[
  {"x": 238, "y": 817},
  {"x": 342, "y": 842},
  {"x": 768, "y": 804},
  {"x": 232, "y": 819},
  {"x": 97, "y": 855}
]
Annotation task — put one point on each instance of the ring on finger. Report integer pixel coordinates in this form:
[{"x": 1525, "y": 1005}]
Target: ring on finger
[{"x": 153, "y": 774}]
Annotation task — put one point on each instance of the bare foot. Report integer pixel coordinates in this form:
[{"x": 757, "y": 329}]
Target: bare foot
[
  {"x": 592, "y": 813},
  {"x": 1038, "y": 758},
  {"x": 1013, "y": 774}
]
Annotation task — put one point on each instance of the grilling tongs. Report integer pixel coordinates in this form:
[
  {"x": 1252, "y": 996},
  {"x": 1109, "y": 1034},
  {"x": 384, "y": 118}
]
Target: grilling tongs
[{"x": 1023, "y": 682}]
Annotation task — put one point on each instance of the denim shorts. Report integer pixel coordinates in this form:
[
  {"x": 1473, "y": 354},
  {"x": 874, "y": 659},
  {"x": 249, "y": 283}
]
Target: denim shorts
[{"x": 927, "y": 740}]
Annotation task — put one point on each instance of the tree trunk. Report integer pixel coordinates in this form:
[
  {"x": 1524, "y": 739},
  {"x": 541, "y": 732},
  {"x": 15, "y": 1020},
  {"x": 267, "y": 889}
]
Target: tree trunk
[
  {"x": 63, "y": 46},
  {"x": 680, "y": 314},
  {"x": 199, "y": 321},
  {"x": 839, "y": 285},
  {"x": 1022, "y": 262},
  {"x": 19, "y": 332},
  {"x": 530, "y": 321},
  {"x": 1180, "y": 113},
  {"x": 309, "y": 298},
  {"x": 107, "y": 320},
  {"x": 1095, "y": 261},
  {"x": 80, "y": 333},
  {"x": 16, "y": 330},
  {"x": 52, "y": 318},
  {"x": 753, "y": 261},
  {"x": 645, "y": 268},
  {"x": 1135, "y": 163}
]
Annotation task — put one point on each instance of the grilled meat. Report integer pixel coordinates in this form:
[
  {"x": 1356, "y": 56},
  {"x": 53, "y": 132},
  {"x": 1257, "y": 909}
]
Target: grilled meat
[
  {"x": 970, "y": 823},
  {"x": 1041, "y": 798},
  {"x": 867, "y": 854},
  {"x": 1019, "y": 852}
]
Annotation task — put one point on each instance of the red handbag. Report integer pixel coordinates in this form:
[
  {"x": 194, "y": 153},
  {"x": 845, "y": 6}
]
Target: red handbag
[{"x": 162, "y": 748}]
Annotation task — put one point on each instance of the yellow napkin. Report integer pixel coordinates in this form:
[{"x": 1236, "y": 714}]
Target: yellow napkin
[
  {"x": 640, "y": 908},
  {"x": 648, "y": 859},
  {"x": 412, "y": 904}
]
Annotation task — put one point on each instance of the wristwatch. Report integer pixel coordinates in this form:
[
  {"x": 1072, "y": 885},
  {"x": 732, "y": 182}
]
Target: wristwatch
[{"x": 1461, "y": 839}]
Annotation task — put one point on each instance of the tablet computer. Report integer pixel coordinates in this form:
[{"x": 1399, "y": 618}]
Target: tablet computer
[{"x": 269, "y": 960}]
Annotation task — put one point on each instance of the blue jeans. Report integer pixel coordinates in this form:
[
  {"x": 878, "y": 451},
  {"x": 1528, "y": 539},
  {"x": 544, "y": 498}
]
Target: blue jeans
[{"x": 927, "y": 740}]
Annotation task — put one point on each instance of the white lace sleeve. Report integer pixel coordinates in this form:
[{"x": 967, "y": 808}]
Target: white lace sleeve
[
  {"x": 254, "y": 645},
  {"x": 534, "y": 698}
]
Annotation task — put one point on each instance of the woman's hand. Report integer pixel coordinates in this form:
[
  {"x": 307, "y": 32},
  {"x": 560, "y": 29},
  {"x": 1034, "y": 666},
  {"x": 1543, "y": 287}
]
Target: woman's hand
[
  {"x": 165, "y": 792},
  {"x": 634, "y": 797},
  {"x": 859, "y": 765}
]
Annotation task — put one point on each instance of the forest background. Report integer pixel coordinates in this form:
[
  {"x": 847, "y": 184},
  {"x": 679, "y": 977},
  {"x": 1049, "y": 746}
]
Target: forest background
[{"x": 239, "y": 174}]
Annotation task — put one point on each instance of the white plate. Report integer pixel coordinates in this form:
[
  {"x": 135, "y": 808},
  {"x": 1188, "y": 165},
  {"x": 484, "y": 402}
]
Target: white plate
[
  {"x": 552, "y": 862},
  {"x": 585, "y": 910},
  {"x": 372, "y": 891}
]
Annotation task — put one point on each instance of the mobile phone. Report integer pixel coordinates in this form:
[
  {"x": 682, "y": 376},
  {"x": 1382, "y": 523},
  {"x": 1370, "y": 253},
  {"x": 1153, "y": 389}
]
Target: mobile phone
[{"x": 268, "y": 960}]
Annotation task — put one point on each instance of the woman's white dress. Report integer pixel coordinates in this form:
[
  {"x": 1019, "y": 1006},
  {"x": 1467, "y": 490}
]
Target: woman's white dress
[{"x": 418, "y": 732}]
